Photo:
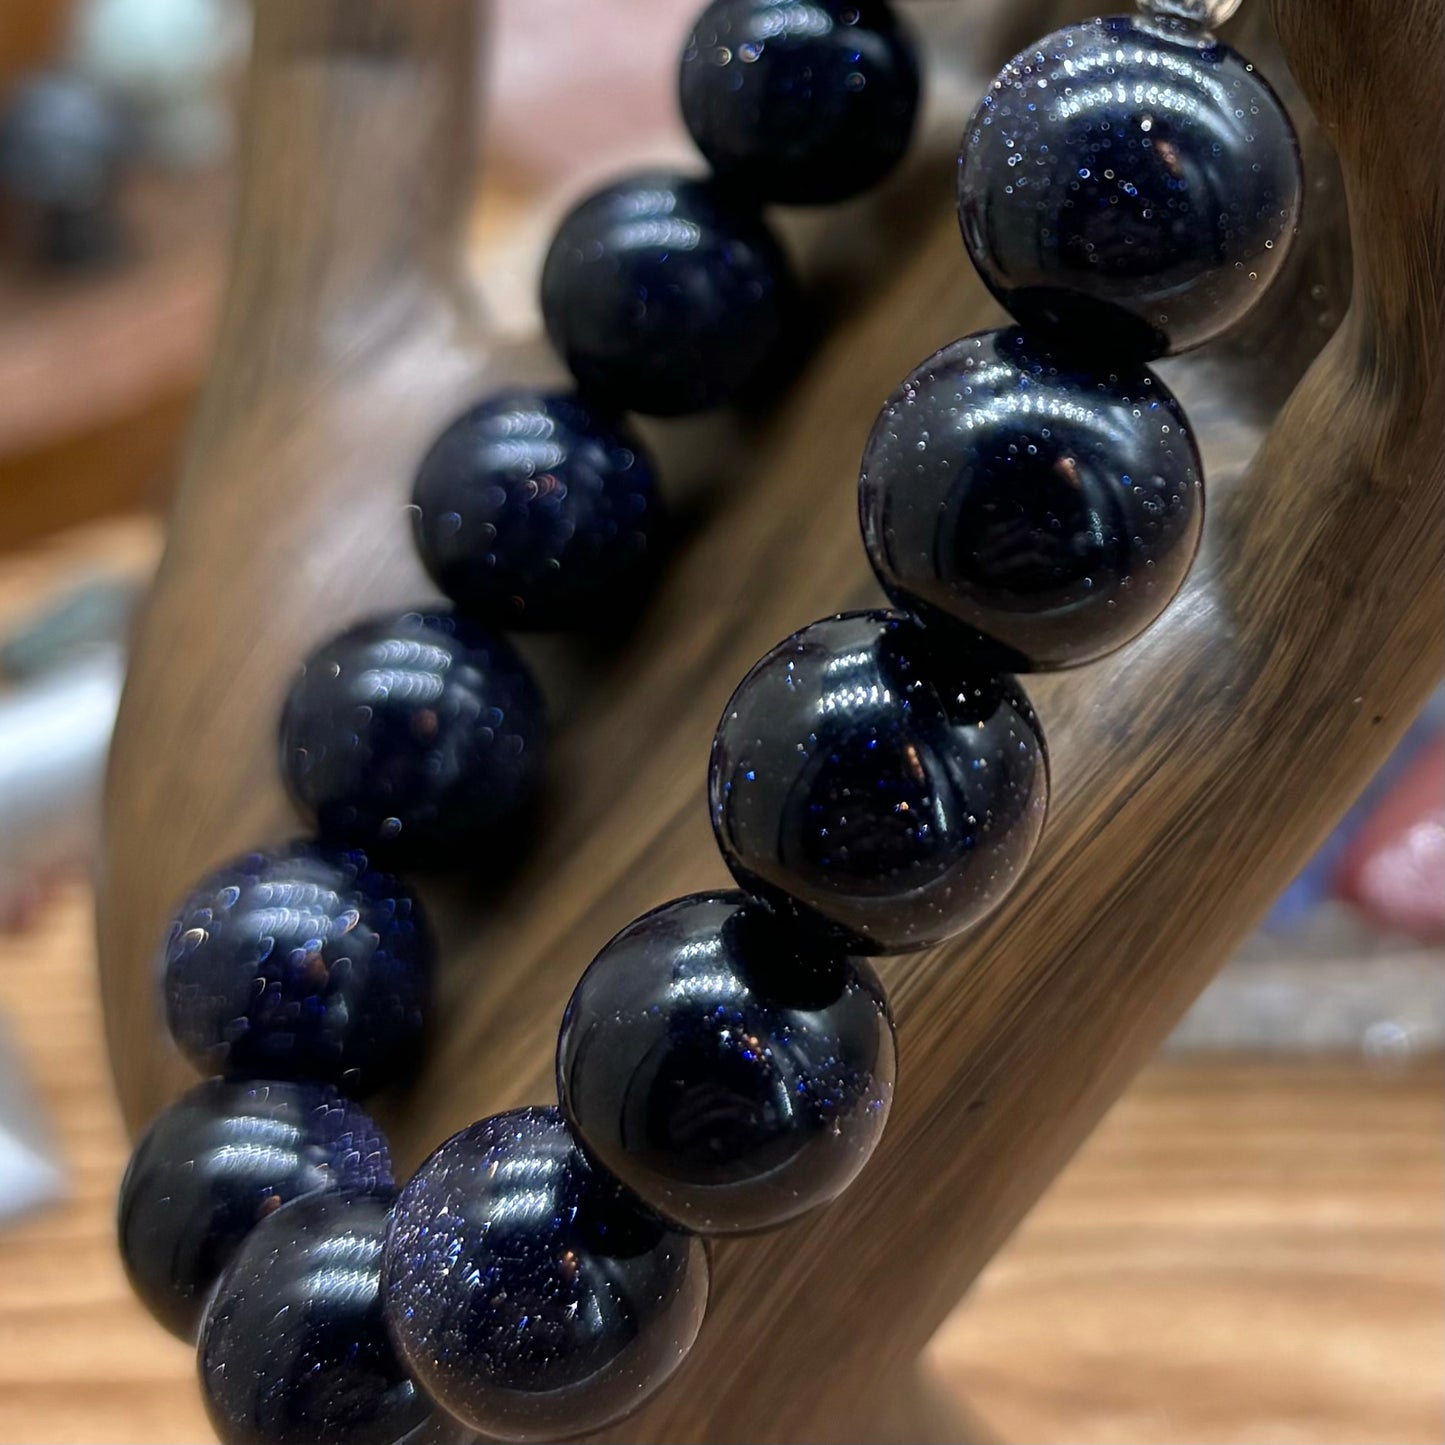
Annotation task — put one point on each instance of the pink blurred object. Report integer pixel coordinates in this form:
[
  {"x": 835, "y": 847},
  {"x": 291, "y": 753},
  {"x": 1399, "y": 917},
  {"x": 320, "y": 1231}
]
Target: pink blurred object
[
  {"x": 569, "y": 83},
  {"x": 1394, "y": 870}
]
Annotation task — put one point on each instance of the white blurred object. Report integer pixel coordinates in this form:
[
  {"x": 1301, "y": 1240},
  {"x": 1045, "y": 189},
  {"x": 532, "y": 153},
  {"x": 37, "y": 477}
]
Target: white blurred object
[
  {"x": 167, "y": 60},
  {"x": 54, "y": 732},
  {"x": 30, "y": 1175}
]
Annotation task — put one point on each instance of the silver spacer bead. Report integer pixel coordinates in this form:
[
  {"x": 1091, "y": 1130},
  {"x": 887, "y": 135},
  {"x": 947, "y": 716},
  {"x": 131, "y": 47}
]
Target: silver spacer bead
[{"x": 1205, "y": 13}]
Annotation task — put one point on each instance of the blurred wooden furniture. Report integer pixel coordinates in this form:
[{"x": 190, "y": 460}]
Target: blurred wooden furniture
[
  {"x": 99, "y": 371},
  {"x": 30, "y": 32},
  {"x": 1194, "y": 772}
]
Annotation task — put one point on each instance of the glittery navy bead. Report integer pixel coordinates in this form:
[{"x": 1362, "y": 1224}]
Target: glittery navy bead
[
  {"x": 800, "y": 101},
  {"x": 664, "y": 295},
  {"x": 216, "y": 1163},
  {"x": 294, "y": 1348},
  {"x": 1134, "y": 183},
  {"x": 880, "y": 787},
  {"x": 730, "y": 1075},
  {"x": 533, "y": 511},
  {"x": 1049, "y": 506},
  {"x": 418, "y": 737},
  {"x": 300, "y": 963},
  {"x": 529, "y": 1293}
]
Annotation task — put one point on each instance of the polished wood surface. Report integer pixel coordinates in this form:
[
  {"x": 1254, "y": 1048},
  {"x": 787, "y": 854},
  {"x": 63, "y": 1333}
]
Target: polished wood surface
[
  {"x": 1244, "y": 1253},
  {"x": 1194, "y": 772}
]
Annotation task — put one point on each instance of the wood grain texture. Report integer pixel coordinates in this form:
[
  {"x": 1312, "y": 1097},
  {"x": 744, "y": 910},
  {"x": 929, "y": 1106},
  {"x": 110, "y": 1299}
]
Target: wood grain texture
[
  {"x": 1194, "y": 772},
  {"x": 1244, "y": 1253}
]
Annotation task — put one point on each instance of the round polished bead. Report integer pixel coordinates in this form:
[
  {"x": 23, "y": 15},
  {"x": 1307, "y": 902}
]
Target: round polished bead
[
  {"x": 294, "y": 1347},
  {"x": 530, "y": 510},
  {"x": 800, "y": 101},
  {"x": 1050, "y": 507},
  {"x": 665, "y": 295},
  {"x": 728, "y": 1074},
  {"x": 215, "y": 1164},
  {"x": 300, "y": 963},
  {"x": 1133, "y": 183},
  {"x": 420, "y": 737},
  {"x": 63, "y": 142},
  {"x": 529, "y": 1293},
  {"x": 872, "y": 781}
]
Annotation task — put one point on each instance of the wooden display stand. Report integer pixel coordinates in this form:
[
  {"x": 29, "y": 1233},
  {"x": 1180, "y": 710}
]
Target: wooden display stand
[{"x": 1194, "y": 772}]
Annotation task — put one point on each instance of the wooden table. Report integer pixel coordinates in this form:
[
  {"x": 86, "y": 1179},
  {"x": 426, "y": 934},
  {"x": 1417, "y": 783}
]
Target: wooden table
[{"x": 1244, "y": 1252}]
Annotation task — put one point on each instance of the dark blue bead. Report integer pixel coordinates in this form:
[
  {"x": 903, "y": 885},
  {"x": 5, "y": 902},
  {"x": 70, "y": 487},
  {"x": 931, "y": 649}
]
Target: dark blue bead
[
  {"x": 664, "y": 295},
  {"x": 301, "y": 963},
  {"x": 1136, "y": 184},
  {"x": 63, "y": 143},
  {"x": 529, "y": 1293},
  {"x": 215, "y": 1164},
  {"x": 800, "y": 101},
  {"x": 1050, "y": 506},
  {"x": 419, "y": 737},
  {"x": 532, "y": 511},
  {"x": 729, "y": 1074},
  {"x": 876, "y": 783},
  {"x": 294, "y": 1348}
]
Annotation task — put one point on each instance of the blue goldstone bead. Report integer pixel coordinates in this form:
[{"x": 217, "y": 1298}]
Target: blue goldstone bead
[
  {"x": 1133, "y": 183},
  {"x": 800, "y": 101},
  {"x": 728, "y": 1073},
  {"x": 300, "y": 963},
  {"x": 665, "y": 295},
  {"x": 419, "y": 738},
  {"x": 876, "y": 784},
  {"x": 529, "y": 1293},
  {"x": 294, "y": 1348},
  {"x": 531, "y": 510},
  {"x": 217, "y": 1162},
  {"x": 1049, "y": 507}
]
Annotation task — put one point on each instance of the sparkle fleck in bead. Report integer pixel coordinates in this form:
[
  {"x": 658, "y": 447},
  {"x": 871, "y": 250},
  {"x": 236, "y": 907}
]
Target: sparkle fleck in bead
[
  {"x": 530, "y": 1294},
  {"x": 882, "y": 788},
  {"x": 664, "y": 294},
  {"x": 533, "y": 511},
  {"x": 419, "y": 738},
  {"x": 303, "y": 962},
  {"x": 800, "y": 101},
  {"x": 1048, "y": 506},
  {"x": 729, "y": 1074},
  {"x": 215, "y": 1164},
  {"x": 1134, "y": 183},
  {"x": 294, "y": 1347}
]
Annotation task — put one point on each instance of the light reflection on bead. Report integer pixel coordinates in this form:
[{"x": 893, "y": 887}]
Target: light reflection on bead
[
  {"x": 728, "y": 1072},
  {"x": 1047, "y": 507},
  {"x": 666, "y": 294},
  {"x": 300, "y": 963},
  {"x": 217, "y": 1162},
  {"x": 1209, "y": 13},
  {"x": 294, "y": 1347},
  {"x": 419, "y": 738},
  {"x": 1135, "y": 185},
  {"x": 876, "y": 783},
  {"x": 800, "y": 101},
  {"x": 532, "y": 510},
  {"x": 529, "y": 1293}
]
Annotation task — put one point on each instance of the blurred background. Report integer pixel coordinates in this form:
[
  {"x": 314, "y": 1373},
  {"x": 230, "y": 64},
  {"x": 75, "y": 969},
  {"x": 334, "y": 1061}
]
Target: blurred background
[{"x": 1281, "y": 1161}]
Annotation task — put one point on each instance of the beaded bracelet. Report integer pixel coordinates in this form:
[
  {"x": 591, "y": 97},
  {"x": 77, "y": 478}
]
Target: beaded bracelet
[{"x": 1030, "y": 498}]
